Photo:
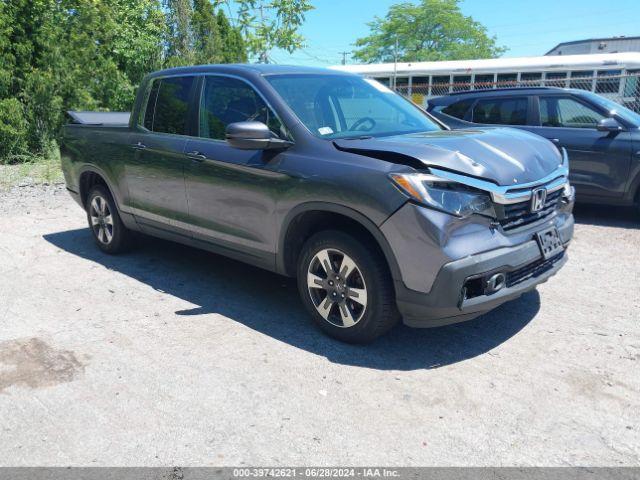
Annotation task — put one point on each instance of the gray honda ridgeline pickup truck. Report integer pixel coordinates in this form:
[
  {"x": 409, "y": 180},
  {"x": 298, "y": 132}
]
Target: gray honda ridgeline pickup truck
[{"x": 378, "y": 209}]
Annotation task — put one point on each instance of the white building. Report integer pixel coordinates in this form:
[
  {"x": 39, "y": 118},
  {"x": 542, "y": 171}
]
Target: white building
[{"x": 597, "y": 45}]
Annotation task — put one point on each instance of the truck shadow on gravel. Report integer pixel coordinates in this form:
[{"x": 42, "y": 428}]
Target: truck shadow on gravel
[
  {"x": 606, "y": 216},
  {"x": 269, "y": 304}
]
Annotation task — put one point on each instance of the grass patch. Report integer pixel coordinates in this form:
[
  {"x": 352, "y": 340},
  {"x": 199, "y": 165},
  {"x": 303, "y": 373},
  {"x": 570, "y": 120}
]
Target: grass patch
[{"x": 34, "y": 171}]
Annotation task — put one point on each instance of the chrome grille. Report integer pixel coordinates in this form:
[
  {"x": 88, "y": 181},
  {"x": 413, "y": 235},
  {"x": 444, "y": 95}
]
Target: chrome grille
[{"x": 519, "y": 214}]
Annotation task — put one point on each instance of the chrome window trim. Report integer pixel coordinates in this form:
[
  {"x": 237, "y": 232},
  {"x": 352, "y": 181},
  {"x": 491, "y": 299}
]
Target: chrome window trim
[
  {"x": 162, "y": 76},
  {"x": 504, "y": 194}
]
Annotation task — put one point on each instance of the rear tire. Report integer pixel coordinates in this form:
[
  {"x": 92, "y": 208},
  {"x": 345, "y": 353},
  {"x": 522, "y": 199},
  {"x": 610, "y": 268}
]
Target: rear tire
[
  {"x": 345, "y": 285},
  {"x": 109, "y": 233}
]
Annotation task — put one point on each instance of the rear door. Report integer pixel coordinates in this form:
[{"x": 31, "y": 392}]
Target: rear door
[
  {"x": 232, "y": 193},
  {"x": 155, "y": 175},
  {"x": 599, "y": 161}
]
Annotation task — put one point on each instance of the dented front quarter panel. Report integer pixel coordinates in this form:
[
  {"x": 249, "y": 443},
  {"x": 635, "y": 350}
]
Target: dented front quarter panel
[{"x": 430, "y": 239}]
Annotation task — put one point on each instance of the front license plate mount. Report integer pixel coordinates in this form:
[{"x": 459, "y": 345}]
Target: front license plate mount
[{"x": 549, "y": 242}]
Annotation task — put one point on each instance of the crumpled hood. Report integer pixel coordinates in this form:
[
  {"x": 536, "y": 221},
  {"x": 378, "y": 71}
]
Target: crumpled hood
[{"x": 505, "y": 156}]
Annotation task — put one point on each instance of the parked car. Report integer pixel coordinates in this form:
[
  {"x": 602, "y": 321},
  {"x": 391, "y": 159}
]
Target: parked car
[
  {"x": 601, "y": 137},
  {"x": 379, "y": 210}
]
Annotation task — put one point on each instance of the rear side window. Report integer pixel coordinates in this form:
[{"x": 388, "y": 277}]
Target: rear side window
[
  {"x": 152, "y": 94},
  {"x": 501, "y": 111},
  {"x": 458, "y": 109},
  {"x": 168, "y": 113}
]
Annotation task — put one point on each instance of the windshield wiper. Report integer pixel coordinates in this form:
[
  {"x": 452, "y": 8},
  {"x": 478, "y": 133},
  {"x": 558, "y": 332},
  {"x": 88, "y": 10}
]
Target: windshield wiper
[{"x": 361, "y": 137}]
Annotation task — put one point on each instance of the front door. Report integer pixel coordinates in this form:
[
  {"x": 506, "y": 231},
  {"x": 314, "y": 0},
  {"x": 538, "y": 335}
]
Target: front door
[
  {"x": 232, "y": 193},
  {"x": 599, "y": 162},
  {"x": 155, "y": 177}
]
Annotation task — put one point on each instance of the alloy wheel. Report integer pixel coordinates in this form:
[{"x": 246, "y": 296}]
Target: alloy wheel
[
  {"x": 101, "y": 219},
  {"x": 337, "y": 288}
]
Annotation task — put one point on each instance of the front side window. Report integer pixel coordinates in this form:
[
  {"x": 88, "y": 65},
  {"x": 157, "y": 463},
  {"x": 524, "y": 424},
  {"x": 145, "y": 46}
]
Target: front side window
[
  {"x": 228, "y": 100},
  {"x": 615, "y": 108},
  {"x": 170, "y": 107},
  {"x": 339, "y": 106},
  {"x": 501, "y": 111},
  {"x": 567, "y": 112}
]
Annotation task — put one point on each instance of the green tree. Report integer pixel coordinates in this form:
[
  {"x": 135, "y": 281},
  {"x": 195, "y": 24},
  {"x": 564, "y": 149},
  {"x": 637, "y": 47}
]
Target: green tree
[
  {"x": 232, "y": 47},
  {"x": 429, "y": 30},
  {"x": 7, "y": 60},
  {"x": 13, "y": 130},
  {"x": 180, "y": 32},
  {"x": 27, "y": 25},
  {"x": 58, "y": 55},
  {"x": 199, "y": 35},
  {"x": 268, "y": 25},
  {"x": 72, "y": 54},
  {"x": 138, "y": 28},
  {"x": 207, "y": 41}
]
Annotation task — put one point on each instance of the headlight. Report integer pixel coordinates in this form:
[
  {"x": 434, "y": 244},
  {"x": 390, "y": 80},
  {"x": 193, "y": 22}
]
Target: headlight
[
  {"x": 444, "y": 195},
  {"x": 568, "y": 192}
]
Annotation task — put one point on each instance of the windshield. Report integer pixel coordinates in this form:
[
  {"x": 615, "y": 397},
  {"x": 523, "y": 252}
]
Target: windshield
[
  {"x": 616, "y": 109},
  {"x": 340, "y": 106}
]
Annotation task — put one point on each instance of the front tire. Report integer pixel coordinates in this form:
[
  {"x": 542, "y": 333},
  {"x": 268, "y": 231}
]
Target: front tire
[
  {"x": 345, "y": 285},
  {"x": 106, "y": 226}
]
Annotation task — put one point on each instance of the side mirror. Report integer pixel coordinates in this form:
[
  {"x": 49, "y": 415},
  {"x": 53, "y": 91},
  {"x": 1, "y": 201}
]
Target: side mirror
[
  {"x": 609, "y": 125},
  {"x": 253, "y": 136}
]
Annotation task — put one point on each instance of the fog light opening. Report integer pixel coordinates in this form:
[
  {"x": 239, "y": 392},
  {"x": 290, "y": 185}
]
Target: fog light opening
[{"x": 495, "y": 283}]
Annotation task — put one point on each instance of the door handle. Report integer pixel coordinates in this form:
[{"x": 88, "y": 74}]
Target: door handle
[
  {"x": 196, "y": 156},
  {"x": 139, "y": 146}
]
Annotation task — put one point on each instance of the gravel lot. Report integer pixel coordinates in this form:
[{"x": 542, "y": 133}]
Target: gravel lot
[{"x": 173, "y": 356}]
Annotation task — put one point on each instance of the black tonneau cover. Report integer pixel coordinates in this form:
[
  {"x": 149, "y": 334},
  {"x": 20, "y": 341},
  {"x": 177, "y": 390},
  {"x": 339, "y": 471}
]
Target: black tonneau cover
[{"x": 100, "y": 118}]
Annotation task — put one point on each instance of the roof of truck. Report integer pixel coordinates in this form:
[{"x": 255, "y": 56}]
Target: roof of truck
[{"x": 239, "y": 68}]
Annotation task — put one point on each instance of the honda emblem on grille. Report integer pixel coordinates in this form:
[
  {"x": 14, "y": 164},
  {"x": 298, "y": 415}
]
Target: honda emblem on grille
[{"x": 538, "y": 199}]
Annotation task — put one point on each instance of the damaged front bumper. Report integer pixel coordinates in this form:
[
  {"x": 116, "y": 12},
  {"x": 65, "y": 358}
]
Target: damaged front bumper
[{"x": 457, "y": 281}]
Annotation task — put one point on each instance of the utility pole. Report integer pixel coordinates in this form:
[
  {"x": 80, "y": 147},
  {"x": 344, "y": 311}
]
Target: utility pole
[
  {"x": 344, "y": 57},
  {"x": 395, "y": 63},
  {"x": 264, "y": 58}
]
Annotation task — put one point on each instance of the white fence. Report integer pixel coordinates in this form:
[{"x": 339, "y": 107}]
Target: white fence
[{"x": 623, "y": 89}]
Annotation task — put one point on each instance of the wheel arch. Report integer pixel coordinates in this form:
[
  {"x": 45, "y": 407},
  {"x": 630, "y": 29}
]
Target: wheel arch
[
  {"x": 309, "y": 218},
  {"x": 91, "y": 175}
]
